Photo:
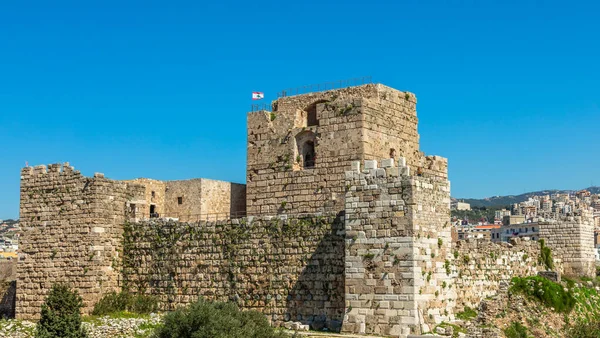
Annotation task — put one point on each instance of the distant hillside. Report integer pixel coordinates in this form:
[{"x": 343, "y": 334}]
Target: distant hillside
[{"x": 498, "y": 201}]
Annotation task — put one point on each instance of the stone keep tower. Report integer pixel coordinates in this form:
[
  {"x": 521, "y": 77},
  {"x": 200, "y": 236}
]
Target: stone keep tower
[{"x": 298, "y": 152}]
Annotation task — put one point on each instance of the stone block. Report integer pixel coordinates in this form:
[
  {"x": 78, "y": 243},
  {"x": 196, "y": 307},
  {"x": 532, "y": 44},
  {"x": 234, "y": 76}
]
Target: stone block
[
  {"x": 370, "y": 164},
  {"x": 387, "y": 163}
]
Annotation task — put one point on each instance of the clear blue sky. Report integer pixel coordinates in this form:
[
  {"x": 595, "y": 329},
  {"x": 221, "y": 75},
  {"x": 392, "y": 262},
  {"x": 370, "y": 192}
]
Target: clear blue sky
[{"x": 508, "y": 90}]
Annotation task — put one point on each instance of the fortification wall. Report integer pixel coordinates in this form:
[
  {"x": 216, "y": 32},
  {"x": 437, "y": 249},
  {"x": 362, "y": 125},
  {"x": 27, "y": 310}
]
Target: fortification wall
[
  {"x": 287, "y": 269},
  {"x": 572, "y": 241},
  {"x": 484, "y": 267},
  {"x": 183, "y": 199},
  {"x": 398, "y": 278},
  {"x": 349, "y": 124},
  {"x": 154, "y": 194},
  {"x": 200, "y": 198},
  {"x": 222, "y": 200},
  {"x": 71, "y": 233}
]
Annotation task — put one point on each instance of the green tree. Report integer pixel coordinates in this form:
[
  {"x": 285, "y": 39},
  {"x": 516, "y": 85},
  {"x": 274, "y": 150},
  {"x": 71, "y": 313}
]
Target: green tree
[{"x": 61, "y": 317}]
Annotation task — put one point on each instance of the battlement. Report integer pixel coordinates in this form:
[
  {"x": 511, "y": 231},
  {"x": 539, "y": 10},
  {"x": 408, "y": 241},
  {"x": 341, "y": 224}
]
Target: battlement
[{"x": 47, "y": 169}]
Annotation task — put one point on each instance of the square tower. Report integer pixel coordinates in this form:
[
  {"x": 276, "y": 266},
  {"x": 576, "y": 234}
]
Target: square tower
[{"x": 298, "y": 152}]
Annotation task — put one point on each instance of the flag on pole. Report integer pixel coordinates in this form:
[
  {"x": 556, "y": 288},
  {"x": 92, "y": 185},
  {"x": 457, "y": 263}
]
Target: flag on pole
[{"x": 257, "y": 95}]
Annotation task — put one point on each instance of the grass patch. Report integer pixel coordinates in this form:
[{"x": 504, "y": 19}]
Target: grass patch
[
  {"x": 516, "y": 330},
  {"x": 123, "y": 303},
  {"x": 547, "y": 292},
  {"x": 467, "y": 314}
]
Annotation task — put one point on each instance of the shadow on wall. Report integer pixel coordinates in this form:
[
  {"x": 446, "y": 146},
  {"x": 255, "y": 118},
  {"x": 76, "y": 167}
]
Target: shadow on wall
[
  {"x": 8, "y": 292},
  {"x": 317, "y": 297},
  {"x": 8, "y": 288},
  {"x": 289, "y": 269}
]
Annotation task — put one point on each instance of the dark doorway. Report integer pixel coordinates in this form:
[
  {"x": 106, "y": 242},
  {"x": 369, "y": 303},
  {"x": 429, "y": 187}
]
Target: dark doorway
[{"x": 308, "y": 152}]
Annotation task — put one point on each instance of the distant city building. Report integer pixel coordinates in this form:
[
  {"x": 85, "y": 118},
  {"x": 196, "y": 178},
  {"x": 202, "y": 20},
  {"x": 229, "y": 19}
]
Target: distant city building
[
  {"x": 513, "y": 219},
  {"x": 499, "y": 214},
  {"x": 460, "y": 206},
  {"x": 506, "y": 232},
  {"x": 476, "y": 232}
]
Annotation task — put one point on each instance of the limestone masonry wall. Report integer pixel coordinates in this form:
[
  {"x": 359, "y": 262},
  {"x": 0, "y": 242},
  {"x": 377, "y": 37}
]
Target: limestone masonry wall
[
  {"x": 191, "y": 200},
  {"x": 340, "y": 126},
  {"x": 483, "y": 267},
  {"x": 571, "y": 239},
  {"x": 398, "y": 278},
  {"x": 72, "y": 233},
  {"x": 154, "y": 194},
  {"x": 288, "y": 269}
]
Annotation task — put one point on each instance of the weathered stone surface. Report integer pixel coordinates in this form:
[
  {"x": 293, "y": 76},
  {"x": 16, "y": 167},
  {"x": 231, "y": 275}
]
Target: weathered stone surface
[
  {"x": 398, "y": 277},
  {"x": 369, "y": 122},
  {"x": 61, "y": 213},
  {"x": 290, "y": 270}
]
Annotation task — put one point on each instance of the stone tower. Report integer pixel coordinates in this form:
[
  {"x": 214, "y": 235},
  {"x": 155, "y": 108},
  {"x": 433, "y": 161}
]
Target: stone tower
[{"x": 298, "y": 152}]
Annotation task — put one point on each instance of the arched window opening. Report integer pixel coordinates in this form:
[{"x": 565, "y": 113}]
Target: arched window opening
[
  {"x": 305, "y": 150},
  {"x": 308, "y": 154}
]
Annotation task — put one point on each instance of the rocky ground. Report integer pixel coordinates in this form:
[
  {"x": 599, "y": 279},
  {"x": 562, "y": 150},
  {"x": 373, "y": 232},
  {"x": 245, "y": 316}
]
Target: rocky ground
[
  {"x": 97, "y": 327},
  {"x": 498, "y": 313}
]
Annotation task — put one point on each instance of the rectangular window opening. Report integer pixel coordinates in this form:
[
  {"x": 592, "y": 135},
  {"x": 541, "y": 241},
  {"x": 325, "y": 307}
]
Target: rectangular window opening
[{"x": 180, "y": 200}]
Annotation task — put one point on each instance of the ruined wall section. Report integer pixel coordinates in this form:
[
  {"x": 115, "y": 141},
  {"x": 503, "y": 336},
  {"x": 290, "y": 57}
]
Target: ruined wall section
[
  {"x": 571, "y": 239},
  {"x": 287, "y": 269},
  {"x": 397, "y": 248},
  {"x": 72, "y": 233},
  {"x": 484, "y": 267}
]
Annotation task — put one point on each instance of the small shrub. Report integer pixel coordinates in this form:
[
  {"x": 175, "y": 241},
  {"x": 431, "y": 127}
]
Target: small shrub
[
  {"x": 61, "y": 315},
  {"x": 369, "y": 256},
  {"x": 440, "y": 243},
  {"x": 466, "y": 314},
  {"x": 549, "y": 293},
  {"x": 516, "y": 330},
  {"x": 546, "y": 256},
  {"x": 203, "y": 320},
  {"x": 466, "y": 259},
  {"x": 584, "y": 329},
  {"x": 273, "y": 116},
  {"x": 123, "y": 301},
  {"x": 455, "y": 254}
]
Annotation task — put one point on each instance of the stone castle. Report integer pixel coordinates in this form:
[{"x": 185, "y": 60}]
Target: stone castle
[{"x": 343, "y": 223}]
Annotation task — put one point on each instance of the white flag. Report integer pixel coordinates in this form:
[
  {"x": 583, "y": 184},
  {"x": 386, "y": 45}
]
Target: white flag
[{"x": 257, "y": 95}]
